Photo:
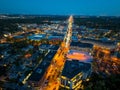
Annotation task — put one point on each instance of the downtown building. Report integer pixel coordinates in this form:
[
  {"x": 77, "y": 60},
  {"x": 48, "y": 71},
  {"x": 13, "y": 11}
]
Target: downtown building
[
  {"x": 107, "y": 58},
  {"x": 74, "y": 72},
  {"x": 76, "y": 69}
]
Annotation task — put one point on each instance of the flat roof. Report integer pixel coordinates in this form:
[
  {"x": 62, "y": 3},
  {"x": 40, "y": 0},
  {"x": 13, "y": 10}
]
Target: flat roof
[
  {"x": 49, "y": 46},
  {"x": 74, "y": 67},
  {"x": 18, "y": 37},
  {"x": 82, "y": 45},
  {"x": 107, "y": 44},
  {"x": 40, "y": 70},
  {"x": 45, "y": 46},
  {"x": 55, "y": 37},
  {"x": 54, "y": 47},
  {"x": 37, "y": 36},
  {"x": 75, "y": 38}
]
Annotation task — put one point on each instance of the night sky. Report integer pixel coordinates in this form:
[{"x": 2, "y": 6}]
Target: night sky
[{"x": 61, "y": 7}]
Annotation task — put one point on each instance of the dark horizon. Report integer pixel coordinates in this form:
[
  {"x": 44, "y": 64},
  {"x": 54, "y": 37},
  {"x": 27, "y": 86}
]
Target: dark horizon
[{"x": 58, "y": 15}]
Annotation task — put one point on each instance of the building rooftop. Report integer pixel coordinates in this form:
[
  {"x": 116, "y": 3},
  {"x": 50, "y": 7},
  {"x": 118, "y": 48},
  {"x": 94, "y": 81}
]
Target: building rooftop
[
  {"x": 44, "y": 46},
  {"x": 40, "y": 70},
  {"x": 106, "y": 44},
  {"x": 81, "y": 45},
  {"x": 75, "y": 38},
  {"x": 48, "y": 46},
  {"x": 37, "y": 37},
  {"x": 74, "y": 67},
  {"x": 55, "y": 37},
  {"x": 54, "y": 47},
  {"x": 18, "y": 37}
]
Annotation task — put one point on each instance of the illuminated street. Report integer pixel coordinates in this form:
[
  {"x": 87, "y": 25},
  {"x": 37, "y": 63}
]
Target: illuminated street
[{"x": 51, "y": 80}]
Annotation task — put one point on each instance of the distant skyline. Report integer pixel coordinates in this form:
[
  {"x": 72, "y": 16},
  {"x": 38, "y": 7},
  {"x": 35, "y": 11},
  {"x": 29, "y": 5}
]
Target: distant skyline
[{"x": 61, "y": 7}]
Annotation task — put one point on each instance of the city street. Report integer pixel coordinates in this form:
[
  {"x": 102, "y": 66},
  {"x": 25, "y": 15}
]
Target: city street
[{"x": 51, "y": 78}]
